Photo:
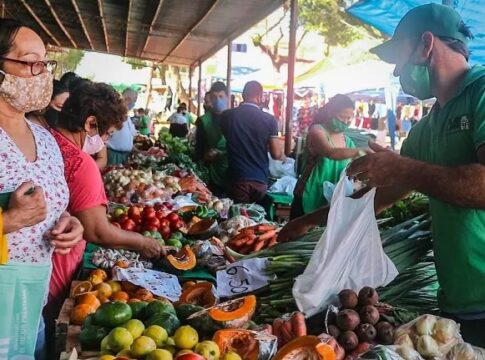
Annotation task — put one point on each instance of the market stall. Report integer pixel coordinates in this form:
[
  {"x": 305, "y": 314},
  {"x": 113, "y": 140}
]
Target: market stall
[{"x": 226, "y": 290}]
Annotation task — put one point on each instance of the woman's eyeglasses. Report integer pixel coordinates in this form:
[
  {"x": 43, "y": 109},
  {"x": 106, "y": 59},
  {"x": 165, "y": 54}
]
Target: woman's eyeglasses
[{"x": 36, "y": 67}]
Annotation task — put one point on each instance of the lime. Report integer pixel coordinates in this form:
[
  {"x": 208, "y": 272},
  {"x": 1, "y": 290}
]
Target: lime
[
  {"x": 119, "y": 338},
  {"x": 135, "y": 327},
  {"x": 157, "y": 333},
  {"x": 160, "y": 354},
  {"x": 208, "y": 349},
  {"x": 231, "y": 355},
  {"x": 142, "y": 347},
  {"x": 186, "y": 337}
]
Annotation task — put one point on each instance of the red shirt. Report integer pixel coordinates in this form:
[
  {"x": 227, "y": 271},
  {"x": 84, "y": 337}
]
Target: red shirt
[{"x": 86, "y": 191}]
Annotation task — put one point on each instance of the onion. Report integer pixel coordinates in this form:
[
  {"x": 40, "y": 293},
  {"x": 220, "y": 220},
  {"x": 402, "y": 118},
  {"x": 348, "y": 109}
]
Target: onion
[
  {"x": 445, "y": 330},
  {"x": 427, "y": 346},
  {"x": 463, "y": 351},
  {"x": 425, "y": 324},
  {"x": 408, "y": 353},
  {"x": 405, "y": 341}
]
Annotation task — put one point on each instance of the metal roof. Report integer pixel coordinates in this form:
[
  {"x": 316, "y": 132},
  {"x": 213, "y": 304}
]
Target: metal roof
[{"x": 171, "y": 31}]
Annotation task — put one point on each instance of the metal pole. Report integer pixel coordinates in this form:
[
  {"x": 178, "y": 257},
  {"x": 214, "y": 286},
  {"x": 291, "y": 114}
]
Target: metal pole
[
  {"x": 291, "y": 75},
  {"x": 190, "y": 88},
  {"x": 199, "y": 88},
  {"x": 229, "y": 70}
]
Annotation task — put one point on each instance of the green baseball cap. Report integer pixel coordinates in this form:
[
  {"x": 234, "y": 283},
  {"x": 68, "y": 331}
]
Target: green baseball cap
[{"x": 439, "y": 19}]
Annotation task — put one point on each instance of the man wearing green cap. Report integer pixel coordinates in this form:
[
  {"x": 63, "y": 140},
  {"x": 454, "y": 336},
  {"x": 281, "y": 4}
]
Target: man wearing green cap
[{"x": 443, "y": 157}]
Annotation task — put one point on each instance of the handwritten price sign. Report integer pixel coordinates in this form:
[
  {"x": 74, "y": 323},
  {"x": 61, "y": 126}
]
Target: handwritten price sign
[{"x": 243, "y": 277}]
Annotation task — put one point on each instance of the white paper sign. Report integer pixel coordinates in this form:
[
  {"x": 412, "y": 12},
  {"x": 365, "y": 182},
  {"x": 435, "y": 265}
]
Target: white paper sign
[
  {"x": 159, "y": 283},
  {"x": 243, "y": 277}
]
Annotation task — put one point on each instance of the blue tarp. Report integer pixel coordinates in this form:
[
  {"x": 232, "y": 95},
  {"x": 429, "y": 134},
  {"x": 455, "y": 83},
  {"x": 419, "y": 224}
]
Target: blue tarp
[{"x": 384, "y": 15}]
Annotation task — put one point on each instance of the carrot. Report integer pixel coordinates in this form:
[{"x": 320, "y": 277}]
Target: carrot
[
  {"x": 277, "y": 324},
  {"x": 240, "y": 242},
  {"x": 267, "y": 235},
  {"x": 246, "y": 249},
  {"x": 273, "y": 241},
  {"x": 259, "y": 244},
  {"x": 298, "y": 324},
  {"x": 251, "y": 240},
  {"x": 286, "y": 332},
  {"x": 359, "y": 350},
  {"x": 265, "y": 227}
]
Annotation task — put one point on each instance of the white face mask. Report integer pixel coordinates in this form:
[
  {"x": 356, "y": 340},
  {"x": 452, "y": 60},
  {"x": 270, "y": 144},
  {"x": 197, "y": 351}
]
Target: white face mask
[
  {"x": 27, "y": 94},
  {"x": 93, "y": 144}
]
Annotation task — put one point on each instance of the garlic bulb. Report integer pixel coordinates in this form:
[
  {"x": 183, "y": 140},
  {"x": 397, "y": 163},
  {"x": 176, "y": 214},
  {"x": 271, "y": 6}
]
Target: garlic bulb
[
  {"x": 427, "y": 346},
  {"x": 445, "y": 330},
  {"x": 425, "y": 324}
]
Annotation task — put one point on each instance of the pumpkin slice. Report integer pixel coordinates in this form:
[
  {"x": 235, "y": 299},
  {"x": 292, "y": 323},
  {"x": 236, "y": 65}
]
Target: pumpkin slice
[
  {"x": 184, "y": 259},
  {"x": 242, "y": 342},
  {"x": 81, "y": 288},
  {"x": 306, "y": 347},
  {"x": 199, "y": 294},
  {"x": 234, "y": 313}
]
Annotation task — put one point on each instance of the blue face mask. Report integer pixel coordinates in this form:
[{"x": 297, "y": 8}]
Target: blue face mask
[{"x": 219, "y": 105}]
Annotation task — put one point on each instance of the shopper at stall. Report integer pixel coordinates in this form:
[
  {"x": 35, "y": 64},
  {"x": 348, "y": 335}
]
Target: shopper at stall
[
  {"x": 120, "y": 144},
  {"x": 34, "y": 217},
  {"x": 443, "y": 157},
  {"x": 48, "y": 117},
  {"x": 178, "y": 123},
  {"x": 327, "y": 152},
  {"x": 143, "y": 122},
  {"x": 250, "y": 133},
  {"x": 210, "y": 143}
]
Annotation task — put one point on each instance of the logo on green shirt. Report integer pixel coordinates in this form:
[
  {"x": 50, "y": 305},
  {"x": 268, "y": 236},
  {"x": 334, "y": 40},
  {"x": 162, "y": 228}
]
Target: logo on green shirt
[{"x": 460, "y": 123}]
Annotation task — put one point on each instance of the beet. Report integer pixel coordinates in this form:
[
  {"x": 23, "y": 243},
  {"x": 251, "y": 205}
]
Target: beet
[
  {"x": 348, "y": 340},
  {"x": 348, "y": 299},
  {"x": 348, "y": 319},
  {"x": 334, "y": 331},
  {"x": 385, "y": 333},
  {"x": 366, "y": 332},
  {"x": 369, "y": 314},
  {"x": 368, "y": 296}
]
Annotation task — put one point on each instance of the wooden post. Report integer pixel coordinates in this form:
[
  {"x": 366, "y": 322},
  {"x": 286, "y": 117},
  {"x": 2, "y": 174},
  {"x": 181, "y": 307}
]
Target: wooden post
[
  {"x": 291, "y": 75},
  {"x": 229, "y": 70},
  {"x": 190, "y": 88},
  {"x": 199, "y": 88}
]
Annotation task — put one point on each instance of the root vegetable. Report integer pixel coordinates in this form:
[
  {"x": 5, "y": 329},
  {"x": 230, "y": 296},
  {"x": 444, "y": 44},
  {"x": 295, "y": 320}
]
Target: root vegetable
[
  {"x": 427, "y": 346},
  {"x": 347, "y": 320},
  {"x": 369, "y": 314},
  {"x": 385, "y": 333},
  {"x": 348, "y": 340},
  {"x": 333, "y": 330},
  {"x": 445, "y": 329},
  {"x": 366, "y": 332},
  {"x": 368, "y": 296},
  {"x": 348, "y": 299},
  {"x": 425, "y": 324}
]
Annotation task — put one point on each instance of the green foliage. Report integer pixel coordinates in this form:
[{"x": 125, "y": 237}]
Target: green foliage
[
  {"x": 67, "y": 60},
  {"x": 328, "y": 19}
]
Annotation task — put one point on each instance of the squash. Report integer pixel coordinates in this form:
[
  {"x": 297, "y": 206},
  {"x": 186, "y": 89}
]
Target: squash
[
  {"x": 184, "y": 259},
  {"x": 200, "y": 294},
  {"x": 167, "y": 320},
  {"x": 306, "y": 347},
  {"x": 249, "y": 345},
  {"x": 235, "y": 313}
]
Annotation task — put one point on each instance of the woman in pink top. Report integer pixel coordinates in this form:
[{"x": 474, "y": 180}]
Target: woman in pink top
[{"x": 92, "y": 112}]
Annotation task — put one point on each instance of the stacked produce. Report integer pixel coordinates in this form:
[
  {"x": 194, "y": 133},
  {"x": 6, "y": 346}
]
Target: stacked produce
[{"x": 254, "y": 238}]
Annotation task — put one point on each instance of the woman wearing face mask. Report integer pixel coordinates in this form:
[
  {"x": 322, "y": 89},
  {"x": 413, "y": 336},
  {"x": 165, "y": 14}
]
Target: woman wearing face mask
[
  {"x": 90, "y": 115},
  {"x": 33, "y": 189},
  {"x": 178, "y": 122},
  {"x": 48, "y": 117},
  {"x": 327, "y": 153}
]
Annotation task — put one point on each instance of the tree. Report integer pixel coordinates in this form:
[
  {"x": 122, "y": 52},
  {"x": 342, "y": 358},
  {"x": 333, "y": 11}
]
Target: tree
[
  {"x": 67, "y": 60},
  {"x": 325, "y": 17}
]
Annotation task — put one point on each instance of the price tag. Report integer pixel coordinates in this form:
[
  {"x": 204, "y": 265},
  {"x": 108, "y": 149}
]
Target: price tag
[
  {"x": 159, "y": 283},
  {"x": 243, "y": 277}
]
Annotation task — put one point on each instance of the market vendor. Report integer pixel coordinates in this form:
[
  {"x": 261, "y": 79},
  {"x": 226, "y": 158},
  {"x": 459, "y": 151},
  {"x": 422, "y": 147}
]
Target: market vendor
[
  {"x": 210, "y": 143},
  {"x": 92, "y": 112},
  {"x": 327, "y": 152},
  {"x": 443, "y": 157}
]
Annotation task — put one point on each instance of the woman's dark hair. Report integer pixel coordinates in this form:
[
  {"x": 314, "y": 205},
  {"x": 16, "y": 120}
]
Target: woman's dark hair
[
  {"x": 93, "y": 99},
  {"x": 66, "y": 78},
  {"x": 58, "y": 88},
  {"x": 335, "y": 105},
  {"x": 8, "y": 30}
]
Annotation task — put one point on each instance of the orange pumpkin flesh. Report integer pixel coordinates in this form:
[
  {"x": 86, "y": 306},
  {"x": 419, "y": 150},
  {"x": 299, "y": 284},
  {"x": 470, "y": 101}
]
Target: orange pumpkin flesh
[
  {"x": 242, "y": 309},
  {"x": 184, "y": 259},
  {"x": 306, "y": 344},
  {"x": 198, "y": 294}
]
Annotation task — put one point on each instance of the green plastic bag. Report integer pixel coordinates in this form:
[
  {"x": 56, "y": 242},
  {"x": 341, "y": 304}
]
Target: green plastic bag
[
  {"x": 23, "y": 290},
  {"x": 253, "y": 211}
]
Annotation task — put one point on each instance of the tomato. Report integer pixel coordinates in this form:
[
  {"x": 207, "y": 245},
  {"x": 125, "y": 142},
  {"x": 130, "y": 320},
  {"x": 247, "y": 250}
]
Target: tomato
[
  {"x": 149, "y": 213},
  {"x": 152, "y": 222},
  {"x": 133, "y": 210},
  {"x": 136, "y": 219},
  {"x": 160, "y": 214},
  {"x": 172, "y": 217},
  {"x": 128, "y": 225},
  {"x": 123, "y": 218},
  {"x": 166, "y": 234},
  {"x": 174, "y": 226},
  {"x": 158, "y": 206},
  {"x": 189, "y": 356},
  {"x": 164, "y": 223}
]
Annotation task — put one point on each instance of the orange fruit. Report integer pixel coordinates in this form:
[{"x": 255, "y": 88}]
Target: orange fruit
[
  {"x": 115, "y": 285},
  {"x": 120, "y": 296},
  {"x": 82, "y": 287},
  {"x": 95, "y": 280},
  {"x": 89, "y": 298},
  {"x": 99, "y": 273},
  {"x": 143, "y": 294},
  {"x": 80, "y": 312},
  {"x": 104, "y": 289},
  {"x": 122, "y": 264},
  {"x": 128, "y": 287}
]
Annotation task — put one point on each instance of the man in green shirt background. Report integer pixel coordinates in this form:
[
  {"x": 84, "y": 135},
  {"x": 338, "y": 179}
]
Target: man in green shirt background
[{"x": 443, "y": 157}]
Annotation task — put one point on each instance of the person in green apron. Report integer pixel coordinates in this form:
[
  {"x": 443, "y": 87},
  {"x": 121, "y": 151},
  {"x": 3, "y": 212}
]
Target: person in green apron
[
  {"x": 210, "y": 143},
  {"x": 326, "y": 154}
]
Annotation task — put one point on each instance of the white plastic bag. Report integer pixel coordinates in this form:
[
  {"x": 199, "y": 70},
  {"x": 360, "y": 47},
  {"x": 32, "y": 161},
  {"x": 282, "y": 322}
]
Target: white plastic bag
[
  {"x": 278, "y": 168},
  {"x": 286, "y": 185},
  {"x": 349, "y": 254}
]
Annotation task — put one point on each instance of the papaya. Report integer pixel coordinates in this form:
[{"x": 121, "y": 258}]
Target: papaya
[
  {"x": 167, "y": 320},
  {"x": 138, "y": 309},
  {"x": 158, "y": 307},
  {"x": 91, "y": 337},
  {"x": 113, "y": 314}
]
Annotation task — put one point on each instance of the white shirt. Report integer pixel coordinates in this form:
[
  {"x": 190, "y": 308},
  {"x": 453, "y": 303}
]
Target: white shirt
[
  {"x": 177, "y": 118},
  {"x": 122, "y": 140}
]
